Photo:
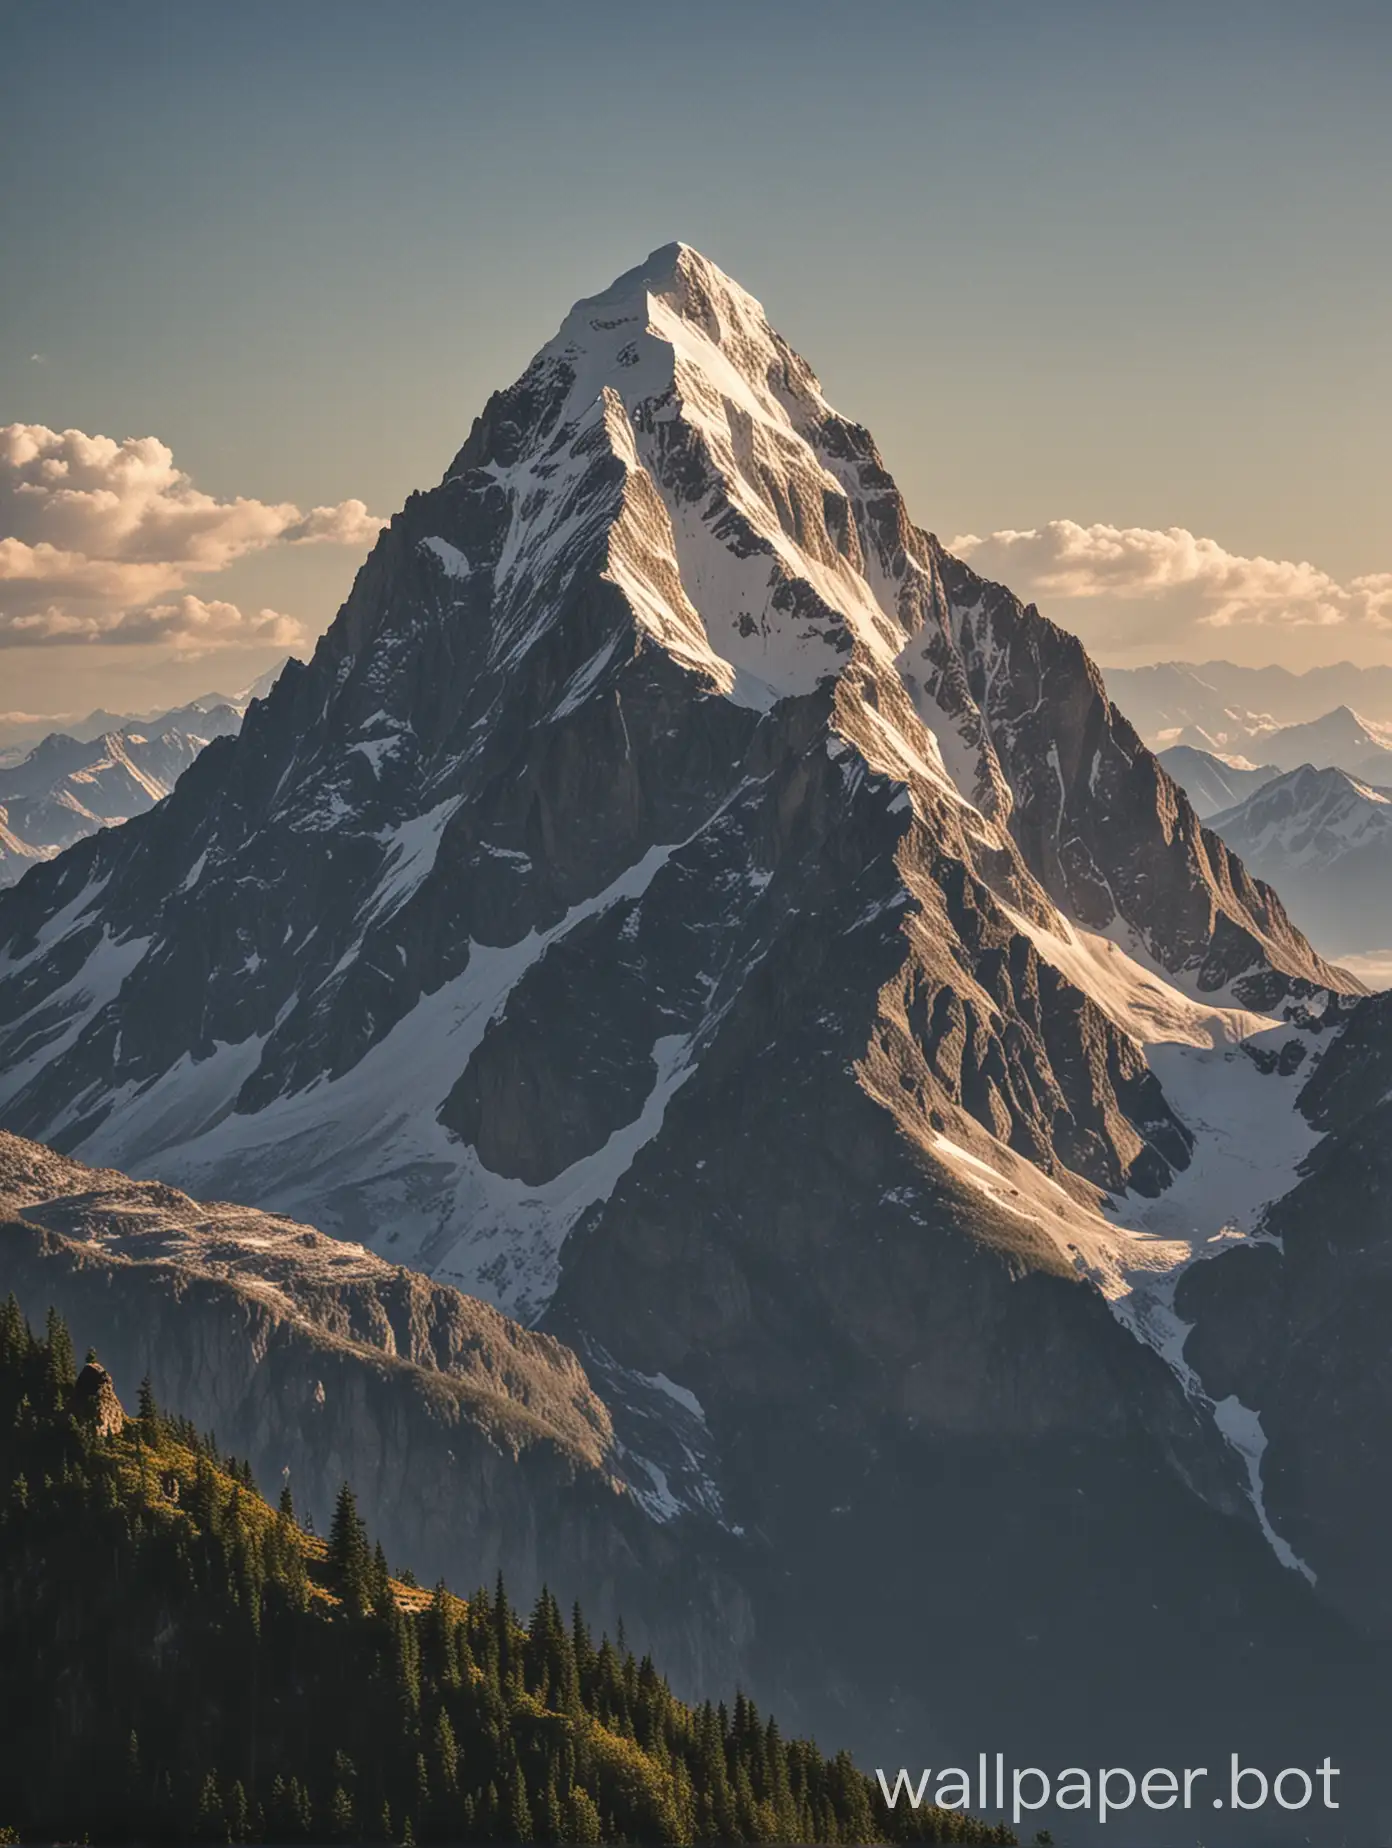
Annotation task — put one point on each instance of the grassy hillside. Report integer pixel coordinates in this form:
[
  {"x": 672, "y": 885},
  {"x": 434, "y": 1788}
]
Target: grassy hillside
[{"x": 181, "y": 1662}]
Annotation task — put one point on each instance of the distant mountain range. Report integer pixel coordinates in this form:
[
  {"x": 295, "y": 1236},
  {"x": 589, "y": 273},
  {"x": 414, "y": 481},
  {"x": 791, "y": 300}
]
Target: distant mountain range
[
  {"x": 105, "y": 770},
  {"x": 1311, "y": 818},
  {"x": 1340, "y": 739},
  {"x": 1219, "y": 697},
  {"x": 19, "y": 733}
]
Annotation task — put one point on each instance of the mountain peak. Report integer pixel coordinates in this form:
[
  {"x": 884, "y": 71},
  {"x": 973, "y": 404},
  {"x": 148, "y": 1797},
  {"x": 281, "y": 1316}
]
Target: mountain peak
[
  {"x": 665, "y": 638},
  {"x": 669, "y": 426},
  {"x": 659, "y": 273},
  {"x": 675, "y": 273},
  {"x": 677, "y": 320},
  {"x": 1340, "y": 720}
]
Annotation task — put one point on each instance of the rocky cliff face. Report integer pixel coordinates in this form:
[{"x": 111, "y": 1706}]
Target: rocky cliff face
[{"x": 682, "y": 904}]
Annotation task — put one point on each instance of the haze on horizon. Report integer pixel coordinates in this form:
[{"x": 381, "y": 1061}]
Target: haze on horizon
[{"x": 1110, "y": 287}]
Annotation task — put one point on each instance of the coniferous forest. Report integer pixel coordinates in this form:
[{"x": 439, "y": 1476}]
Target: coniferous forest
[{"x": 181, "y": 1662}]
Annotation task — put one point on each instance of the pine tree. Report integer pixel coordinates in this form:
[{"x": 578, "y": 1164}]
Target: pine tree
[
  {"x": 502, "y": 1626},
  {"x": 349, "y": 1559},
  {"x": 405, "y": 1657},
  {"x": 238, "y": 1814},
  {"x": 60, "y": 1371},
  {"x": 552, "y": 1818},
  {"x": 340, "y": 1815},
  {"x": 14, "y": 1334},
  {"x": 582, "y": 1817},
  {"x": 446, "y": 1753},
  {"x": 379, "y": 1583},
  {"x": 519, "y": 1810},
  {"x": 211, "y": 1825}
]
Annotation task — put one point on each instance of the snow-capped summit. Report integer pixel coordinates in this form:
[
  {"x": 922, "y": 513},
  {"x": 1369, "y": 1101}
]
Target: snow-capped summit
[
  {"x": 662, "y": 581},
  {"x": 1324, "y": 840},
  {"x": 672, "y": 378},
  {"x": 1309, "y": 816}
]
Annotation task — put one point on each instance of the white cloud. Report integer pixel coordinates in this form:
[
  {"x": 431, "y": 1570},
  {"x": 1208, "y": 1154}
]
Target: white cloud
[
  {"x": 1156, "y": 584},
  {"x": 349, "y": 523},
  {"x": 1376, "y": 592},
  {"x": 99, "y": 540},
  {"x": 189, "y": 625}
]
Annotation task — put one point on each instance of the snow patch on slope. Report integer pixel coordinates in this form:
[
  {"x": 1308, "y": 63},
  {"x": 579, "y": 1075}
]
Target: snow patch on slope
[
  {"x": 54, "y": 1023},
  {"x": 364, "y": 1154},
  {"x": 451, "y": 560},
  {"x": 663, "y": 1446},
  {"x": 411, "y": 849},
  {"x": 1111, "y": 1257},
  {"x": 1243, "y": 1430},
  {"x": 1143, "y": 1002}
]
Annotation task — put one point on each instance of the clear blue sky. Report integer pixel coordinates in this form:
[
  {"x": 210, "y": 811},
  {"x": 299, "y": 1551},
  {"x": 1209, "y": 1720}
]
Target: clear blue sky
[{"x": 1119, "y": 263}]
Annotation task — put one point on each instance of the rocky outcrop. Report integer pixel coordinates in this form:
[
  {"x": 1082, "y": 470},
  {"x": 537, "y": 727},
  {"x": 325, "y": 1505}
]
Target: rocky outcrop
[{"x": 95, "y": 1404}]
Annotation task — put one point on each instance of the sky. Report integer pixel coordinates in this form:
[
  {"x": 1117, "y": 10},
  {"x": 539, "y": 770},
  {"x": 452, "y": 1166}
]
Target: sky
[{"x": 1110, "y": 283}]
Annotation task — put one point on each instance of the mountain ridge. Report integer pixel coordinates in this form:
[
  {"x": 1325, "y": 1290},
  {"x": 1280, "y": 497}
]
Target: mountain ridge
[
  {"x": 1213, "y": 780},
  {"x": 475, "y": 1445},
  {"x": 1169, "y": 694}
]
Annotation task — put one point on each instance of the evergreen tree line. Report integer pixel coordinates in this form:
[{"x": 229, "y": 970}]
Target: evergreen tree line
[{"x": 181, "y": 1662}]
